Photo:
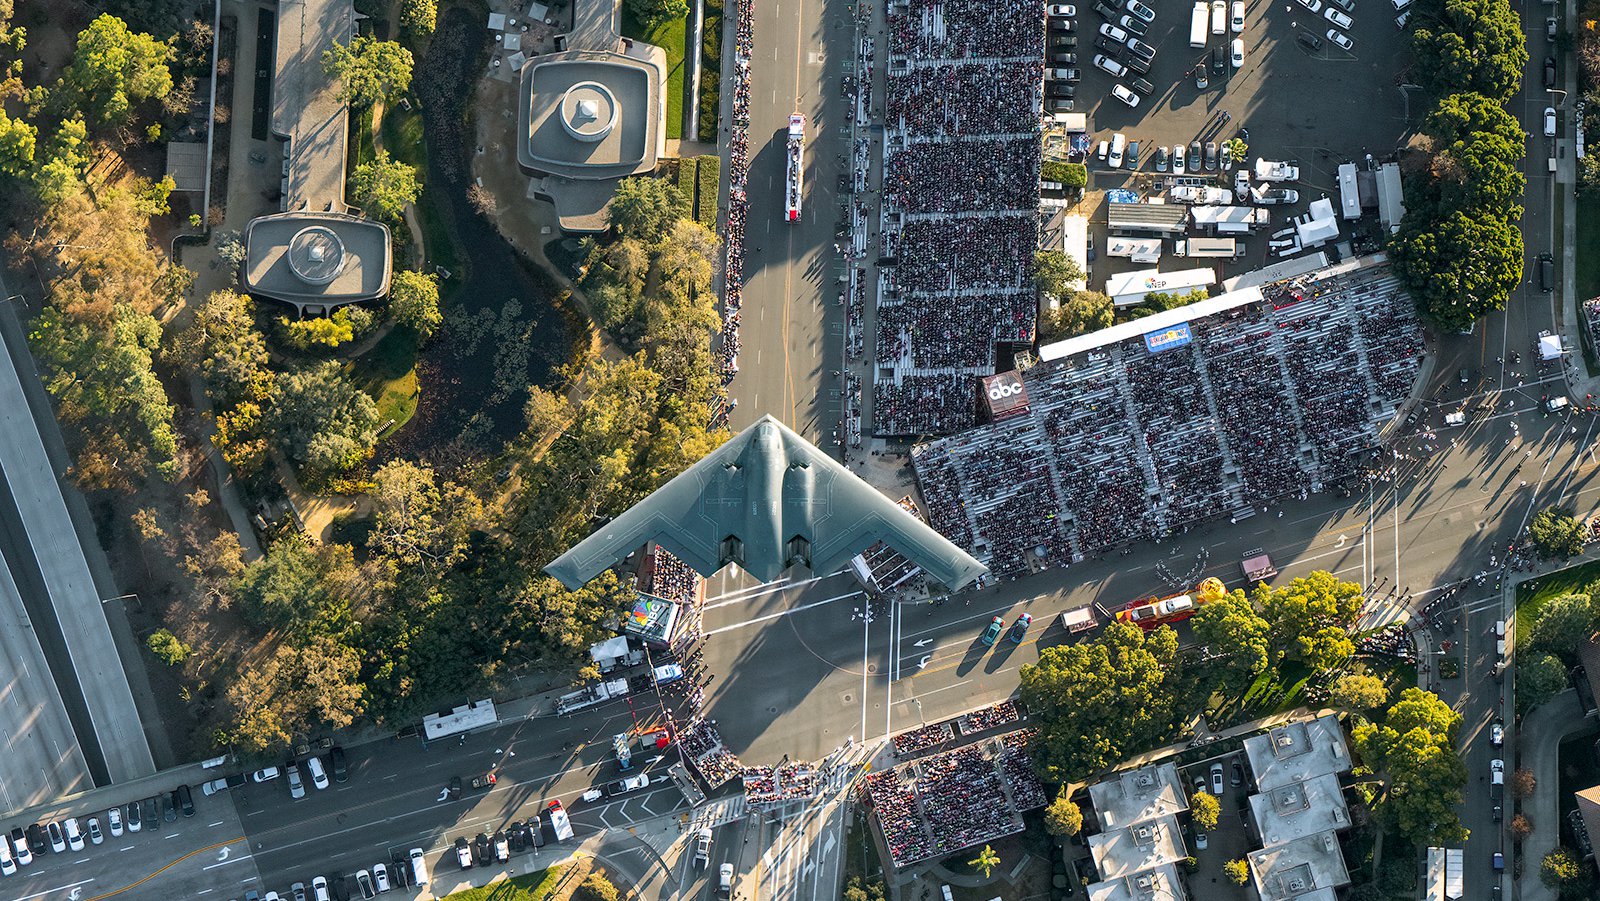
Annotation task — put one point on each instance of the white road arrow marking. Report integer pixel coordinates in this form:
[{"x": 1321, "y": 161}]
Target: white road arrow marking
[
  {"x": 223, "y": 854},
  {"x": 923, "y": 663},
  {"x": 827, "y": 846},
  {"x": 924, "y": 642},
  {"x": 444, "y": 794},
  {"x": 75, "y": 894}
]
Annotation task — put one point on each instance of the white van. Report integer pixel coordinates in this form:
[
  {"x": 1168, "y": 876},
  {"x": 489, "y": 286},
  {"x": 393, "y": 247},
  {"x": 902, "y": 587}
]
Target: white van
[
  {"x": 1197, "y": 25},
  {"x": 1219, "y": 17},
  {"x": 419, "y": 868},
  {"x": 1119, "y": 142}
]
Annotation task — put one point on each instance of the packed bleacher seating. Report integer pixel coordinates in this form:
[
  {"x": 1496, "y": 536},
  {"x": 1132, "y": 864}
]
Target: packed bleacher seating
[
  {"x": 738, "y": 199},
  {"x": 963, "y": 797},
  {"x": 958, "y": 219},
  {"x": 933, "y": 735},
  {"x": 992, "y": 717},
  {"x": 1591, "y": 313},
  {"x": 1269, "y": 401},
  {"x": 701, "y": 745},
  {"x": 671, "y": 578},
  {"x": 775, "y": 785}
]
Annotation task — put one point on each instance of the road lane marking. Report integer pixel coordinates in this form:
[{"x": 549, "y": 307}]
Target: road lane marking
[
  {"x": 781, "y": 613},
  {"x": 169, "y": 866},
  {"x": 63, "y": 888}
]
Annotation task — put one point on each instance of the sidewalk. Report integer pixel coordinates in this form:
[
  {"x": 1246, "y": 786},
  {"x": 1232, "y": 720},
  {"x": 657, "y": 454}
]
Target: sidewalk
[{"x": 1546, "y": 727}]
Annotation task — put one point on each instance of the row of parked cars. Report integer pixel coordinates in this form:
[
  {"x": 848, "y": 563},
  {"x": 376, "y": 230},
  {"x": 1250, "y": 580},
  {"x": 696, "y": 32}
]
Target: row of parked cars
[
  {"x": 408, "y": 869},
  {"x": 21, "y": 846},
  {"x": 319, "y": 773}
]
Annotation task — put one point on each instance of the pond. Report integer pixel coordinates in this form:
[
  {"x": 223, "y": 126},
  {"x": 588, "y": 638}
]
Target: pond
[{"x": 504, "y": 325}]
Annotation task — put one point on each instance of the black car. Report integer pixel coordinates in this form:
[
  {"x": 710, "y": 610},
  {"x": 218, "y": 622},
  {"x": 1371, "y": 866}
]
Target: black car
[
  {"x": 1138, "y": 64},
  {"x": 1143, "y": 87},
  {"x": 1110, "y": 47},
  {"x": 1061, "y": 106},
  {"x": 1062, "y": 25},
  {"x": 1216, "y": 61},
  {"x": 1194, "y": 156},
  {"x": 515, "y": 836},
  {"x": 341, "y": 769},
  {"x": 185, "y": 800},
  {"x": 480, "y": 849},
  {"x": 1064, "y": 59},
  {"x": 532, "y": 835},
  {"x": 400, "y": 872},
  {"x": 36, "y": 840},
  {"x": 1309, "y": 41},
  {"x": 1063, "y": 41},
  {"x": 341, "y": 888},
  {"x": 1106, "y": 12},
  {"x": 169, "y": 807},
  {"x": 455, "y": 787},
  {"x": 1063, "y": 90},
  {"x": 1549, "y": 72},
  {"x": 152, "y": 813}
]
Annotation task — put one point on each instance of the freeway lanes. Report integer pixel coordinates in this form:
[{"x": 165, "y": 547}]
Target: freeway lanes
[{"x": 791, "y": 327}]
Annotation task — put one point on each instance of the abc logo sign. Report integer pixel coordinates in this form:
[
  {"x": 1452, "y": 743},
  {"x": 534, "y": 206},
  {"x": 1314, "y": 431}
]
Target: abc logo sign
[{"x": 1003, "y": 390}]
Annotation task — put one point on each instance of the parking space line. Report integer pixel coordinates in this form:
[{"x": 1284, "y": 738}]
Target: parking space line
[{"x": 169, "y": 866}]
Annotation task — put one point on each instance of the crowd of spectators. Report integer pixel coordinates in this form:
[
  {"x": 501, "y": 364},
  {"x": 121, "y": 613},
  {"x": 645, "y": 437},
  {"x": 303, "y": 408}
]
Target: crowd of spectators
[
  {"x": 672, "y": 579},
  {"x": 1269, "y": 402},
  {"x": 702, "y": 746},
  {"x": 1591, "y": 314},
  {"x": 991, "y": 717},
  {"x": 1391, "y": 641},
  {"x": 738, "y": 183},
  {"x": 774, "y": 785},
  {"x": 957, "y": 799},
  {"x": 923, "y": 738},
  {"x": 958, "y": 221}
]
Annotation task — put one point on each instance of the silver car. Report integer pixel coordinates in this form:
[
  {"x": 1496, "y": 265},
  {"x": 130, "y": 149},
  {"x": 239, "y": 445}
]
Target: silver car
[{"x": 297, "y": 788}]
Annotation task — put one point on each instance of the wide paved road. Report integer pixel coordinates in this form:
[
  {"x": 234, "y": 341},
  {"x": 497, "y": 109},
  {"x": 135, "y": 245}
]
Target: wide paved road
[{"x": 791, "y": 329}]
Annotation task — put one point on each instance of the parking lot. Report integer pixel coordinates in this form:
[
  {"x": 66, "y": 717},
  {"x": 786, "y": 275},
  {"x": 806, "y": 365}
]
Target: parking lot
[
  {"x": 1231, "y": 839},
  {"x": 1321, "y": 107}
]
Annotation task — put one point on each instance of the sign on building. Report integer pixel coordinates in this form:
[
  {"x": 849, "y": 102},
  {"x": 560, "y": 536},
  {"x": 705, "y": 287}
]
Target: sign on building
[
  {"x": 1169, "y": 338},
  {"x": 1004, "y": 395}
]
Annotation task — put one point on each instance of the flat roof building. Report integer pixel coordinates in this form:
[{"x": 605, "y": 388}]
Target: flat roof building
[
  {"x": 1300, "y": 809},
  {"x": 1137, "y": 848},
  {"x": 1306, "y": 869},
  {"x": 1295, "y": 752},
  {"x": 306, "y": 110},
  {"x": 1140, "y": 840},
  {"x": 1147, "y": 218},
  {"x": 1138, "y": 795},
  {"x": 1159, "y": 884},
  {"x": 316, "y": 261}
]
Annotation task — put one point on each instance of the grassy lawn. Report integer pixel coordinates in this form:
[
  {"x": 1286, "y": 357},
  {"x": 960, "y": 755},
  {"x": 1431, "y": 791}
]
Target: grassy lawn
[
  {"x": 669, "y": 36},
  {"x": 358, "y": 147},
  {"x": 1530, "y": 601},
  {"x": 532, "y": 887},
  {"x": 403, "y": 137},
  {"x": 388, "y": 372}
]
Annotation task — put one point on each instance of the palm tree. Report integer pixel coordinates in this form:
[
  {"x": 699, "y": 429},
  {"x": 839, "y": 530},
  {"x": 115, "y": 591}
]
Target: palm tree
[{"x": 987, "y": 861}]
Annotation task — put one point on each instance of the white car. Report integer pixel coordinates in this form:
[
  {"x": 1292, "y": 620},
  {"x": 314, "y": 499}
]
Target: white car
[
  {"x": 1061, "y": 10},
  {"x": 114, "y": 821},
  {"x": 1142, "y": 11},
  {"x": 1113, "y": 32},
  {"x": 319, "y": 888},
  {"x": 74, "y": 833},
  {"x": 1125, "y": 95},
  {"x": 380, "y": 877},
  {"x": 93, "y": 827},
  {"x": 1336, "y": 17},
  {"x": 265, "y": 774},
  {"x": 1237, "y": 20},
  {"x": 702, "y": 849},
  {"x": 1177, "y": 159},
  {"x": 1549, "y": 121},
  {"x": 1340, "y": 38},
  {"x": 319, "y": 776},
  {"x": 1118, "y": 146},
  {"x": 8, "y": 864},
  {"x": 1497, "y": 735},
  {"x": 1109, "y": 66},
  {"x": 1238, "y": 52},
  {"x": 1313, "y": 5}
]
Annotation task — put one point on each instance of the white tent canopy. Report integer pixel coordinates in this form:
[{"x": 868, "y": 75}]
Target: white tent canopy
[{"x": 1550, "y": 347}]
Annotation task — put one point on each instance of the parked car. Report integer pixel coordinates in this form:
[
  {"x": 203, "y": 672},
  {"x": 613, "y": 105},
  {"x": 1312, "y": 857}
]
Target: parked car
[
  {"x": 1064, "y": 25},
  {"x": 216, "y": 785},
  {"x": 1549, "y": 121},
  {"x": 169, "y": 807},
  {"x": 502, "y": 847},
  {"x": 1340, "y": 38},
  {"x": 1312, "y": 5},
  {"x": 1200, "y": 80},
  {"x": 1336, "y": 17},
  {"x": 135, "y": 823},
  {"x": 341, "y": 770},
  {"x": 265, "y": 774},
  {"x": 1113, "y": 32},
  {"x": 114, "y": 821},
  {"x": 480, "y": 849},
  {"x": 1216, "y": 61},
  {"x": 1105, "y": 11},
  {"x": 1550, "y": 28},
  {"x": 1194, "y": 156},
  {"x": 1125, "y": 95},
  {"x": 1549, "y": 72},
  {"x": 1309, "y": 41},
  {"x": 319, "y": 889},
  {"x": 1140, "y": 10},
  {"x": 1137, "y": 64},
  {"x": 37, "y": 839},
  {"x": 58, "y": 842},
  {"x": 1133, "y": 25},
  {"x": 1216, "y": 779},
  {"x": 8, "y": 863},
  {"x": 1211, "y": 155},
  {"x": 1238, "y": 774},
  {"x": 1141, "y": 49},
  {"x": 1162, "y": 158},
  {"x": 1348, "y": 6},
  {"x": 464, "y": 853},
  {"x": 1497, "y": 861},
  {"x": 19, "y": 843},
  {"x": 380, "y": 877},
  {"x": 73, "y": 832},
  {"x": 92, "y": 828},
  {"x": 1177, "y": 159},
  {"x": 185, "y": 799},
  {"x": 998, "y": 623},
  {"x": 152, "y": 812},
  {"x": 364, "y": 882},
  {"x": 1497, "y": 734},
  {"x": 1107, "y": 45},
  {"x": 485, "y": 781},
  {"x": 1238, "y": 53},
  {"x": 1143, "y": 87},
  {"x": 1061, "y": 9},
  {"x": 1133, "y": 163},
  {"x": 702, "y": 849},
  {"x": 1200, "y": 840},
  {"x": 319, "y": 774},
  {"x": 1236, "y": 21}
]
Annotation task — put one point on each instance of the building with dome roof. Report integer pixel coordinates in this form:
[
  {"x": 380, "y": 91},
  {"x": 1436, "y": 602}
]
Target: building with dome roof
[{"x": 316, "y": 260}]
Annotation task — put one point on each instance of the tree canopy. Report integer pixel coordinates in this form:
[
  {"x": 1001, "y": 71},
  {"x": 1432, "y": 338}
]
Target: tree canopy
[
  {"x": 1054, "y": 272},
  {"x": 1540, "y": 677},
  {"x": 1309, "y": 618},
  {"x": 646, "y": 208},
  {"x": 1556, "y": 533},
  {"x": 112, "y": 68},
  {"x": 1235, "y": 638},
  {"x": 1469, "y": 45},
  {"x": 1414, "y": 751},
  {"x": 414, "y": 302},
  {"x": 1357, "y": 691},
  {"x": 1099, "y": 700},
  {"x": 323, "y": 419},
  {"x": 1079, "y": 313},
  {"x": 1563, "y": 624},
  {"x": 384, "y": 186},
  {"x": 1453, "y": 287},
  {"x": 1063, "y": 817},
  {"x": 1204, "y": 809},
  {"x": 369, "y": 70}
]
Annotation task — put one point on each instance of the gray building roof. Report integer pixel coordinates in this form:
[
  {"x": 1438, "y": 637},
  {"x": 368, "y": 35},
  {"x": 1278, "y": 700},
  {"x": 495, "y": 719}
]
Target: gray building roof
[
  {"x": 316, "y": 260},
  {"x": 767, "y": 499},
  {"x": 1159, "y": 884},
  {"x": 1301, "y": 870},
  {"x": 1138, "y": 795},
  {"x": 1153, "y": 218},
  {"x": 1300, "y": 809},
  {"x": 1134, "y": 849},
  {"x": 305, "y": 105},
  {"x": 1295, "y": 752}
]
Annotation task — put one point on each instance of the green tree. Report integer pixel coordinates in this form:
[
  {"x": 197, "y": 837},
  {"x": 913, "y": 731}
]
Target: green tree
[
  {"x": 1079, "y": 313},
  {"x": 1469, "y": 45},
  {"x": 1070, "y": 175},
  {"x": 1237, "y": 871},
  {"x": 418, "y": 17},
  {"x": 1563, "y": 624},
  {"x": 1310, "y": 617},
  {"x": 1237, "y": 149},
  {"x": 645, "y": 208},
  {"x": 596, "y": 887},
  {"x": 1357, "y": 691},
  {"x": 986, "y": 861},
  {"x": 113, "y": 67},
  {"x": 224, "y": 347},
  {"x": 1235, "y": 639},
  {"x": 384, "y": 186},
  {"x": 414, "y": 302},
  {"x": 417, "y": 519},
  {"x": 319, "y": 331},
  {"x": 649, "y": 12},
  {"x": 17, "y": 140},
  {"x": 1063, "y": 817},
  {"x": 1556, "y": 533},
  {"x": 296, "y": 584},
  {"x": 167, "y": 648},
  {"x": 60, "y": 175},
  {"x": 1453, "y": 287},
  {"x": 323, "y": 419},
  {"x": 1565, "y": 871},
  {"x": 1539, "y": 679},
  {"x": 1099, "y": 700},
  {"x": 1054, "y": 272},
  {"x": 1414, "y": 751},
  {"x": 1205, "y": 809},
  {"x": 369, "y": 70}
]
